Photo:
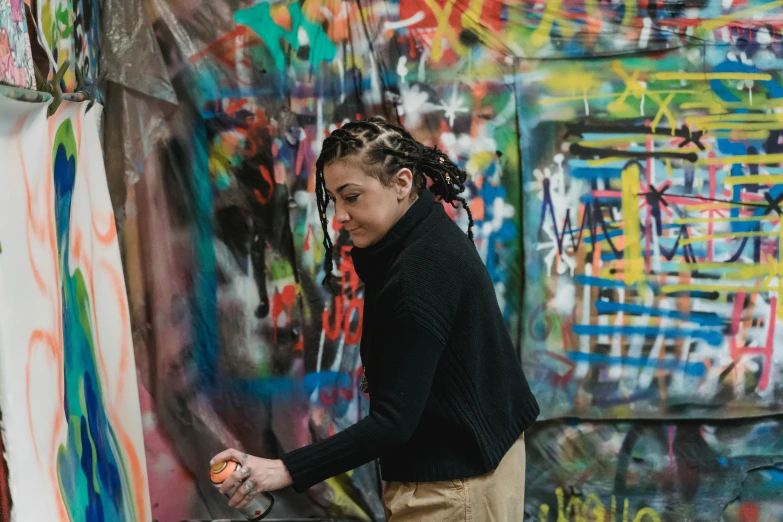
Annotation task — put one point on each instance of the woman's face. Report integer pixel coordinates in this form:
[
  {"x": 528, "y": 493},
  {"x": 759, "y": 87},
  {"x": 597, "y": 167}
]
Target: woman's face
[{"x": 362, "y": 204}]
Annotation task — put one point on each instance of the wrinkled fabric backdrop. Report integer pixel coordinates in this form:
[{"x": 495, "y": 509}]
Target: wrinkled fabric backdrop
[{"x": 625, "y": 177}]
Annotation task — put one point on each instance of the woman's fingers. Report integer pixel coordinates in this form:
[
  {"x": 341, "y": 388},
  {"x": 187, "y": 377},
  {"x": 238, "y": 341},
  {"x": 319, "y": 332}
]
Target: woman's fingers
[
  {"x": 247, "y": 499},
  {"x": 229, "y": 454},
  {"x": 236, "y": 477},
  {"x": 242, "y": 492}
]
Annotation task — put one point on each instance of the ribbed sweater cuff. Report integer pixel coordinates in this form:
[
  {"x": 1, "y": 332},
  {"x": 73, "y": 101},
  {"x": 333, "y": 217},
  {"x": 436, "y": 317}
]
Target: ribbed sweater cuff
[{"x": 317, "y": 462}]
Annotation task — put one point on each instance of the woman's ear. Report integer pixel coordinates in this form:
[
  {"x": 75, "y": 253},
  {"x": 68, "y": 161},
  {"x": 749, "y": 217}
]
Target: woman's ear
[{"x": 403, "y": 183}]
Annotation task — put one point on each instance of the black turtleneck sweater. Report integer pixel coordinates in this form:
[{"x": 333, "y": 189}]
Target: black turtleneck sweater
[{"x": 448, "y": 396}]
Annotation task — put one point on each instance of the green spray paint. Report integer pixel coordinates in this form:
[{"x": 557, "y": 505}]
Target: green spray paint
[{"x": 259, "y": 19}]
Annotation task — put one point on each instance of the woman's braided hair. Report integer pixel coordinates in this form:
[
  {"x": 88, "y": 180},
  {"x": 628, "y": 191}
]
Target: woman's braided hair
[{"x": 384, "y": 149}]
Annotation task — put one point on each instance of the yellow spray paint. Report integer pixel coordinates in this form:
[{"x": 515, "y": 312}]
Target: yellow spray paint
[
  {"x": 632, "y": 253},
  {"x": 592, "y": 509}
]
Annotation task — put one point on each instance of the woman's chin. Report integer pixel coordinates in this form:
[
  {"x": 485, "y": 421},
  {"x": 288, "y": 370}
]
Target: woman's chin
[{"x": 360, "y": 240}]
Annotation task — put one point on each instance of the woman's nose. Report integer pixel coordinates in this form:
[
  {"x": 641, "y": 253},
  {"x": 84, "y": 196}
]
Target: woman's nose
[{"x": 340, "y": 214}]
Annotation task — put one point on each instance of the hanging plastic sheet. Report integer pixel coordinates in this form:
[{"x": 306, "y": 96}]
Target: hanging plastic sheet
[
  {"x": 269, "y": 358},
  {"x": 139, "y": 94}
]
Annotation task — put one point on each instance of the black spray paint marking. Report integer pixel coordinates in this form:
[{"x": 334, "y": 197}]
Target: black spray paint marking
[{"x": 688, "y": 136}]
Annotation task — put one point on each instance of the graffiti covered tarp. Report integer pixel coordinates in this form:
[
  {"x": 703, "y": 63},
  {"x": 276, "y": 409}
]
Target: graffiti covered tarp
[
  {"x": 239, "y": 345},
  {"x": 653, "y": 242}
]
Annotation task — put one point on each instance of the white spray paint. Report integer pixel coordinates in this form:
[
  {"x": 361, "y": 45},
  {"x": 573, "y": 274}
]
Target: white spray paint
[{"x": 401, "y": 24}]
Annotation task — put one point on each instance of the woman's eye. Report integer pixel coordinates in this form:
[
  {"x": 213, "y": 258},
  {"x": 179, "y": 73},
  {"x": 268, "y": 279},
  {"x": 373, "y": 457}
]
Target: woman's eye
[{"x": 351, "y": 199}]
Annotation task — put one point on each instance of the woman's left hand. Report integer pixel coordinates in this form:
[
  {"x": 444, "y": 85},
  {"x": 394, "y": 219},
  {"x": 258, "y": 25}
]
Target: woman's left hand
[{"x": 255, "y": 475}]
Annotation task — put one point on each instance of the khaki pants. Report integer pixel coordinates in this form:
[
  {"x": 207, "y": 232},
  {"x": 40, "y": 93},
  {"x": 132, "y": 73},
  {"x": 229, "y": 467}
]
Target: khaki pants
[{"x": 498, "y": 496}]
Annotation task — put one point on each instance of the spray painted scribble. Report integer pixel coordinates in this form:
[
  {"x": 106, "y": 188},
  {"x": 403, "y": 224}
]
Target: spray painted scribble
[
  {"x": 78, "y": 419},
  {"x": 653, "y": 211},
  {"x": 652, "y": 246}
]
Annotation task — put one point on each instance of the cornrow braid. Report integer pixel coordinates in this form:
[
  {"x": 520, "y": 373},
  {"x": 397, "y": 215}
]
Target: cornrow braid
[{"x": 386, "y": 148}]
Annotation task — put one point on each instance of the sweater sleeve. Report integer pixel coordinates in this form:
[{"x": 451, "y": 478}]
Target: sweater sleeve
[{"x": 398, "y": 391}]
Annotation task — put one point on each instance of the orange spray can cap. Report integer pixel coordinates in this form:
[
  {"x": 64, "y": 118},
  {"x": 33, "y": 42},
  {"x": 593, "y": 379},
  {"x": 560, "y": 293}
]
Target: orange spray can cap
[{"x": 222, "y": 470}]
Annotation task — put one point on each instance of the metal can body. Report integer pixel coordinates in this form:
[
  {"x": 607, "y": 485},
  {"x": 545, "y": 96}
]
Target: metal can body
[{"x": 257, "y": 508}]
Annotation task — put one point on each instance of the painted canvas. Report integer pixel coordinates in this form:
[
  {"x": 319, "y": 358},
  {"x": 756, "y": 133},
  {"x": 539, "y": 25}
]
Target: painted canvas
[
  {"x": 16, "y": 60},
  {"x": 68, "y": 30},
  {"x": 71, "y": 420},
  {"x": 86, "y": 37}
]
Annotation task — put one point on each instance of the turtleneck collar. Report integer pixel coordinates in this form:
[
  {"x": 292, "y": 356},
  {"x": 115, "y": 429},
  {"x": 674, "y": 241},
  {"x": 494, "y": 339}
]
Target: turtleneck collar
[{"x": 373, "y": 261}]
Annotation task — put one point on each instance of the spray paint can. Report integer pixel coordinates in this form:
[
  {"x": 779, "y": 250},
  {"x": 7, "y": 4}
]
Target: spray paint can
[{"x": 258, "y": 507}]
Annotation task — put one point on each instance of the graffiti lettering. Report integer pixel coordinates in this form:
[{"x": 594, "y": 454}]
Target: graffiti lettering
[{"x": 592, "y": 509}]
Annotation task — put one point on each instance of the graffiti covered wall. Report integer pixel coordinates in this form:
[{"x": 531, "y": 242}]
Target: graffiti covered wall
[
  {"x": 653, "y": 196},
  {"x": 71, "y": 421},
  {"x": 237, "y": 342},
  {"x": 624, "y": 153}
]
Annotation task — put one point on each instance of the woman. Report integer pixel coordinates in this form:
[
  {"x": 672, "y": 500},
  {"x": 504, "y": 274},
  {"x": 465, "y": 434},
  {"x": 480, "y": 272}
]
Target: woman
[{"x": 448, "y": 399}]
